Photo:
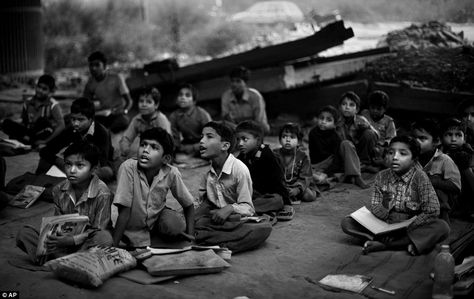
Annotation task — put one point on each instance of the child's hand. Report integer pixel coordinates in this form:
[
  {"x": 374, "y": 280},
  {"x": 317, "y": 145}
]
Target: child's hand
[
  {"x": 55, "y": 242},
  {"x": 294, "y": 192},
  {"x": 219, "y": 216},
  {"x": 388, "y": 200}
]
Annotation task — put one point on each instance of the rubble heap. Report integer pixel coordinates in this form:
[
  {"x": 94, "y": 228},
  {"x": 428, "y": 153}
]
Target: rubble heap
[
  {"x": 423, "y": 36},
  {"x": 429, "y": 55}
]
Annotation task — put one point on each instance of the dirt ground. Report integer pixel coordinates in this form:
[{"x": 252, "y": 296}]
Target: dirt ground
[{"x": 296, "y": 256}]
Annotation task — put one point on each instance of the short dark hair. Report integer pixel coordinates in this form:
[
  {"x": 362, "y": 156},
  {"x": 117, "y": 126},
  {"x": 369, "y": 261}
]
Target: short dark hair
[
  {"x": 224, "y": 130},
  {"x": 193, "y": 90},
  {"x": 240, "y": 72},
  {"x": 292, "y": 128},
  {"x": 428, "y": 125},
  {"x": 162, "y": 137},
  {"x": 251, "y": 127},
  {"x": 412, "y": 143},
  {"x": 97, "y": 55},
  {"x": 351, "y": 96},
  {"x": 332, "y": 110},
  {"x": 150, "y": 91},
  {"x": 83, "y": 106},
  {"x": 47, "y": 80},
  {"x": 378, "y": 98},
  {"x": 84, "y": 149},
  {"x": 452, "y": 123}
]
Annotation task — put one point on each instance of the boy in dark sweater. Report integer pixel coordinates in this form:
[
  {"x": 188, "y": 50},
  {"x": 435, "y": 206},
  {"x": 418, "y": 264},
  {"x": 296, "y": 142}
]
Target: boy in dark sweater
[
  {"x": 330, "y": 154},
  {"x": 269, "y": 190},
  {"x": 82, "y": 128}
]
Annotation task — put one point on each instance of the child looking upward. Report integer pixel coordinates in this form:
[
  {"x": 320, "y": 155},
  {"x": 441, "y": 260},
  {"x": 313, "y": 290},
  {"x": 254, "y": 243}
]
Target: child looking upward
[
  {"x": 455, "y": 146},
  {"x": 149, "y": 117},
  {"x": 83, "y": 128},
  {"x": 142, "y": 186},
  {"x": 297, "y": 168},
  {"x": 357, "y": 129},
  {"x": 188, "y": 120},
  {"x": 83, "y": 193},
  {"x": 269, "y": 189},
  {"x": 401, "y": 192},
  {"x": 441, "y": 169},
  {"x": 226, "y": 191},
  {"x": 41, "y": 116},
  {"x": 330, "y": 154}
]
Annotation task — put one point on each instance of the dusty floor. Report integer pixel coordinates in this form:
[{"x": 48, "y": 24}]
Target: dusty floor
[{"x": 297, "y": 254}]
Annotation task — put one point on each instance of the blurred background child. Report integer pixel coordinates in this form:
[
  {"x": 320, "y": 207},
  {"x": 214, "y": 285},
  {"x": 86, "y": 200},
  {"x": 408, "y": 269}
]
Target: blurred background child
[{"x": 296, "y": 165}]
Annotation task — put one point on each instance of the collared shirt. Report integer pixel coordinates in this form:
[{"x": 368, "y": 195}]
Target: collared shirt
[
  {"x": 147, "y": 201},
  {"x": 441, "y": 164},
  {"x": 412, "y": 193},
  {"x": 354, "y": 130},
  {"x": 233, "y": 186},
  {"x": 108, "y": 91},
  {"x": 139, "y": 125},
  {"x": 187, "y": 125},
  {"x": 33, "y": 110},
  {"x": 250, "y": 107},
  {"x": 384, "y": 126},
  {"x": 94, "y": 203}
]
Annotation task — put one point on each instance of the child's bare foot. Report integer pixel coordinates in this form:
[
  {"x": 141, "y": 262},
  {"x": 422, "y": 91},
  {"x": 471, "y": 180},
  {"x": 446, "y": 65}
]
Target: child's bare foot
[
  {"x": 412, "y": 250},
  {"x": 372, "y": 246}
]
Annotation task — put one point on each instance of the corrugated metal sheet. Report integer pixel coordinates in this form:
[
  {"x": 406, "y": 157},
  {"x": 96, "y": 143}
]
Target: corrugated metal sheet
[{"x": 21, "y": 37}]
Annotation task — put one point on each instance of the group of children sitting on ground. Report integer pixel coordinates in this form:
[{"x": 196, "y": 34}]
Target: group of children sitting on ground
[{"x": 428, "y": 174}]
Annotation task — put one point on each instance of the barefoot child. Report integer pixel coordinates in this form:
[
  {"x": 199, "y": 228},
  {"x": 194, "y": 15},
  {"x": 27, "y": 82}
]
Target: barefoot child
[
  {"x": 188, "y": 120},
  {"x": 269, "y": 189},
  {"x": 83, "y": 193},
  {"x": 357, "y": 129},
  {"x": 142, "y": 186},
  {"x": 226, "y": 195},
  {"x": 401, "y": 192},
  {"x": 330, "y": 154},
  {"x": 297, "y": 168}
]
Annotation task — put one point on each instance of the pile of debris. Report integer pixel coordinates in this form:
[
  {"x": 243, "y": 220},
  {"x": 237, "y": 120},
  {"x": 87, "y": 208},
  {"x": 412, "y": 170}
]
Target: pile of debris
[
  {"x": 429, "y": 55},
  {"x": 423, "y": 36}
]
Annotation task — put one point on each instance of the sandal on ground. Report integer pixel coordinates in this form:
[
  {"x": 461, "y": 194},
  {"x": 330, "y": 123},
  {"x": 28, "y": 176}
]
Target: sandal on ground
[{"x": 286, "y": 214}]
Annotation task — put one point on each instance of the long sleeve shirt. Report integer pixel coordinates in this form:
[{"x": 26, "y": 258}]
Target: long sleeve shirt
[
  {"x": 298, "y": 172},
  {"x": 186, "y": 126},
  {"x": 410, "y": 194},
  {"x": 384, "y": 126},
  {"x": 322, "y": 144}
]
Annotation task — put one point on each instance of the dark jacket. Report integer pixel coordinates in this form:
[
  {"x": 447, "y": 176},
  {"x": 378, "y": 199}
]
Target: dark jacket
[
  {"x": 266, "y": 172},
  {"x": 101, "y": 139},
  {"x": 323, "y": 144}
]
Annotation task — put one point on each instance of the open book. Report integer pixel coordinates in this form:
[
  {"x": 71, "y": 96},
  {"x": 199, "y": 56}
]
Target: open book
[
  {"x": 27, "y": 196},
  {"x": 61, "y": 225},
  {"x": 375, "y": 225}
]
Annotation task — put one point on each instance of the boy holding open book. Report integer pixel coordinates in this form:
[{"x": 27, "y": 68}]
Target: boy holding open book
[
  {"x": 401, "y": 192},
  {"x": 82, "y": 193}
]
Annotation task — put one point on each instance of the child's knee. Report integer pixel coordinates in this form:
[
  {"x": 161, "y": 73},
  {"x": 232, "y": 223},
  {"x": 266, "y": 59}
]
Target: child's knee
[
  {"x": 170, "y": 223},
  {"x": 309, "y": 195}
]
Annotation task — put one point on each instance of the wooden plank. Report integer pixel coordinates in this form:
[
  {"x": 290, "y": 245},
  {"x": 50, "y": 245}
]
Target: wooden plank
[
  {"x": 328, "y": 37},
  {"x": 427, "y": 100}
]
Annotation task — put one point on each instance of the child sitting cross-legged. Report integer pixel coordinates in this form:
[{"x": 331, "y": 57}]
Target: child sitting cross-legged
[
  {"x": 226, "y": 195},
  {"x": 329, "y": 154},
  {"x": 269, "y": 189},
  {"x": 441, "y": 169},
  {"x": 401, "y": 192},
  {"x": 142, "y": 185},
  {"x": 84, "y": 193},
  {"x": 297, "y": 168},
  {"x": 453, "y": 132}
]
